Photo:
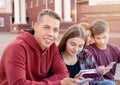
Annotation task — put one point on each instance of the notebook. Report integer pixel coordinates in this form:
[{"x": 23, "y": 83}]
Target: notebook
[{"x": 88, "y": 73}]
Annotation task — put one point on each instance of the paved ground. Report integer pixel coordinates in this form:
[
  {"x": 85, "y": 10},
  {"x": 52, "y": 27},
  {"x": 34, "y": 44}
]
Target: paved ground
[{"x": 6, "y": 37}]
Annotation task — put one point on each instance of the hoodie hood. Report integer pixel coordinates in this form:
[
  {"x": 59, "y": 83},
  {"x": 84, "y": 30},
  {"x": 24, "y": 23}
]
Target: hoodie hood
[{"x": 29, "y": 39}]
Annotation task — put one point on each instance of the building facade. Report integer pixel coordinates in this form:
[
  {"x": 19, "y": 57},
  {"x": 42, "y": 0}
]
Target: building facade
[
  {"x": 21, "y": 14},
  {"x": 108, "y": 10},
  {"x": 5, "y": 15}
]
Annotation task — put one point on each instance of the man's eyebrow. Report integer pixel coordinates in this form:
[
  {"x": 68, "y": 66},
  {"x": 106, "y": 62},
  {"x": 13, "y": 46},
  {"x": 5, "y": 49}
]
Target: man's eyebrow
[
  {"x": 50, "y": 26},
  {"x": 46, "y": 25}
]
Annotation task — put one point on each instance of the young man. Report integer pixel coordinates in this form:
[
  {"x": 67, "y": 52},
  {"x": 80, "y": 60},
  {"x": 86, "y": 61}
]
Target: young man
[
  {"x": 29, "y": 58},
  {"x": 103, "y": 51}
]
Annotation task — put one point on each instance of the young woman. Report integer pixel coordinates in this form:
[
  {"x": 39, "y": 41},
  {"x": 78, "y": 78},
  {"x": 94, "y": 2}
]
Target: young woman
[
  {"x": 87, "y": 28},
  {"x": 77, "y": 58}
]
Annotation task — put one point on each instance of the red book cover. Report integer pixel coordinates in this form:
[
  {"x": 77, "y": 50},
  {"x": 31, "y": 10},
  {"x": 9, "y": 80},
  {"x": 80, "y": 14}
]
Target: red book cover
[{"x": 88, "y": 73}]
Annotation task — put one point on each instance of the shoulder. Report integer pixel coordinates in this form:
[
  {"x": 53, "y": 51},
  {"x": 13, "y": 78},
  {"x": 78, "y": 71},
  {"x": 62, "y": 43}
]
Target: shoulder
[
  {"x": 87, "y": 52},
  {"x": 113, "y": 47},
  {"x": 84, "y": 53},
  {"x": 91, "y": 46},
  {"x": 14, "y": 51},
  {"x": 17, "y": 46}
]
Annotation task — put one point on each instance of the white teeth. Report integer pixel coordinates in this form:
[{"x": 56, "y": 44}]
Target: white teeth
[{"x": 48, "y": 40}]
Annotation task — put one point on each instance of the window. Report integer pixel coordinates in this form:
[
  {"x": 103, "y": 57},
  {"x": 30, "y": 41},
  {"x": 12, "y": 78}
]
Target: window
[
  {"x": 1, "y": 22},
  {"x": 50, "y": 1},
  {"x": 43, "y": 1},
  {"x": 2, "y": 3},
  {"x": 31, "y": 4},
  {"x": 37, "y": 3}
]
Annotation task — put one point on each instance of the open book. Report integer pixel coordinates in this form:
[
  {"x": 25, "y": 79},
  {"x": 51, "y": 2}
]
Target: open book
[{"x": 88, "y": 73}]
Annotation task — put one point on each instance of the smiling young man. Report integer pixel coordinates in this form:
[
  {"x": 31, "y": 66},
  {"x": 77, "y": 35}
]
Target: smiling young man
[
  {"x": 102, "y": 50},
  {"x": 31, "y": 56}
]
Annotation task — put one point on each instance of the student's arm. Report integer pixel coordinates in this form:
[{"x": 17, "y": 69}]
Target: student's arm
[{"x": 16, "y": 69}]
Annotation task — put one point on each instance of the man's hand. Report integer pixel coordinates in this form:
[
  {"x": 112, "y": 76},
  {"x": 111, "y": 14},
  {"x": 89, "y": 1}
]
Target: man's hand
[
  {"x": 69, "y": 81},
  {"x": 104, "y": 69},
  {"x": 80, "y": 78}
]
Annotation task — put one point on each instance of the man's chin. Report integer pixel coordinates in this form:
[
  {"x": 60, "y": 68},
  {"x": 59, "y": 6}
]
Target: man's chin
[
  {"x": 103, "y": 47},
  {"x": 48, "y": 45}
]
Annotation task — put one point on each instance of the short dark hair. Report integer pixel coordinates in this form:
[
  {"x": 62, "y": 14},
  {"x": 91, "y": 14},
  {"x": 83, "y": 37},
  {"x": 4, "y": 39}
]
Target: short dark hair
[
  {"x": 73, "y": 31},
  {"x": 50, "y": 13},
  {"x": 99, "y": 26}
]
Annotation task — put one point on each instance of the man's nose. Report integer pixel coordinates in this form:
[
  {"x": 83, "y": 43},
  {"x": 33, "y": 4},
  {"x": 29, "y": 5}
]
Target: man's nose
[
  {"x": 50, "y": 32},
  {"x": 102, "y": 41}
]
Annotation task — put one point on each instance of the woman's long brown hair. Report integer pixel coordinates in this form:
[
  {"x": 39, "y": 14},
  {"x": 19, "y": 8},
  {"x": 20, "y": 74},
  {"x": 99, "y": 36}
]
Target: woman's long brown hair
[{"x": 73, "y": 31}]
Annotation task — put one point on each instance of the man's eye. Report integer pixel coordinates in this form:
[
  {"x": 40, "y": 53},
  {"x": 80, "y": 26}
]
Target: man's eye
[
  {"x": 104, "y": 37},
  {"x": 56, "y": 30},
  {"x": 46, "y": 27}
]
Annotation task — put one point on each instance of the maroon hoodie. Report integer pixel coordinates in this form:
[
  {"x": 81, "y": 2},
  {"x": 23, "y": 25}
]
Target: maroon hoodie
[{"x": 24, "y": 63}]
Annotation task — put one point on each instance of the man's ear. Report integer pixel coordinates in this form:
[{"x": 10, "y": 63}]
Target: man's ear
[{"x": 35, "y": 26}]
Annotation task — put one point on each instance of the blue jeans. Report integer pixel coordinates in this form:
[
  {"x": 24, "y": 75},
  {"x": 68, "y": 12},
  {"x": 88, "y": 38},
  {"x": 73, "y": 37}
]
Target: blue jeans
[{"x": 106, "y": 82}]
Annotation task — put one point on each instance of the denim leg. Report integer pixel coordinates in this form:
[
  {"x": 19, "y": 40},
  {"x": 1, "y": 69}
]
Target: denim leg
[{"x": 106, "y": 82}]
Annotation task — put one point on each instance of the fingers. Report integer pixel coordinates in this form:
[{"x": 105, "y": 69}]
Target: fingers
[
  {"x": 104, "y": 69},
  {"x": 74, "y": 80},
  {"x": 109, "y": 67},
  {"x": 85, "y": 84},
  {"x": 79, "y": 77},
  {"x": 69, "y": 81}
]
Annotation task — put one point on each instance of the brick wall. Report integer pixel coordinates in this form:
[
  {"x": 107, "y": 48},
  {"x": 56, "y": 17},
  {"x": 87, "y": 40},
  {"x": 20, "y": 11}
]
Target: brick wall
[
  {"x": 33, "y": 11},
  {"x": 6, "y": 18},
  {"x": 110, "y": 13}
]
